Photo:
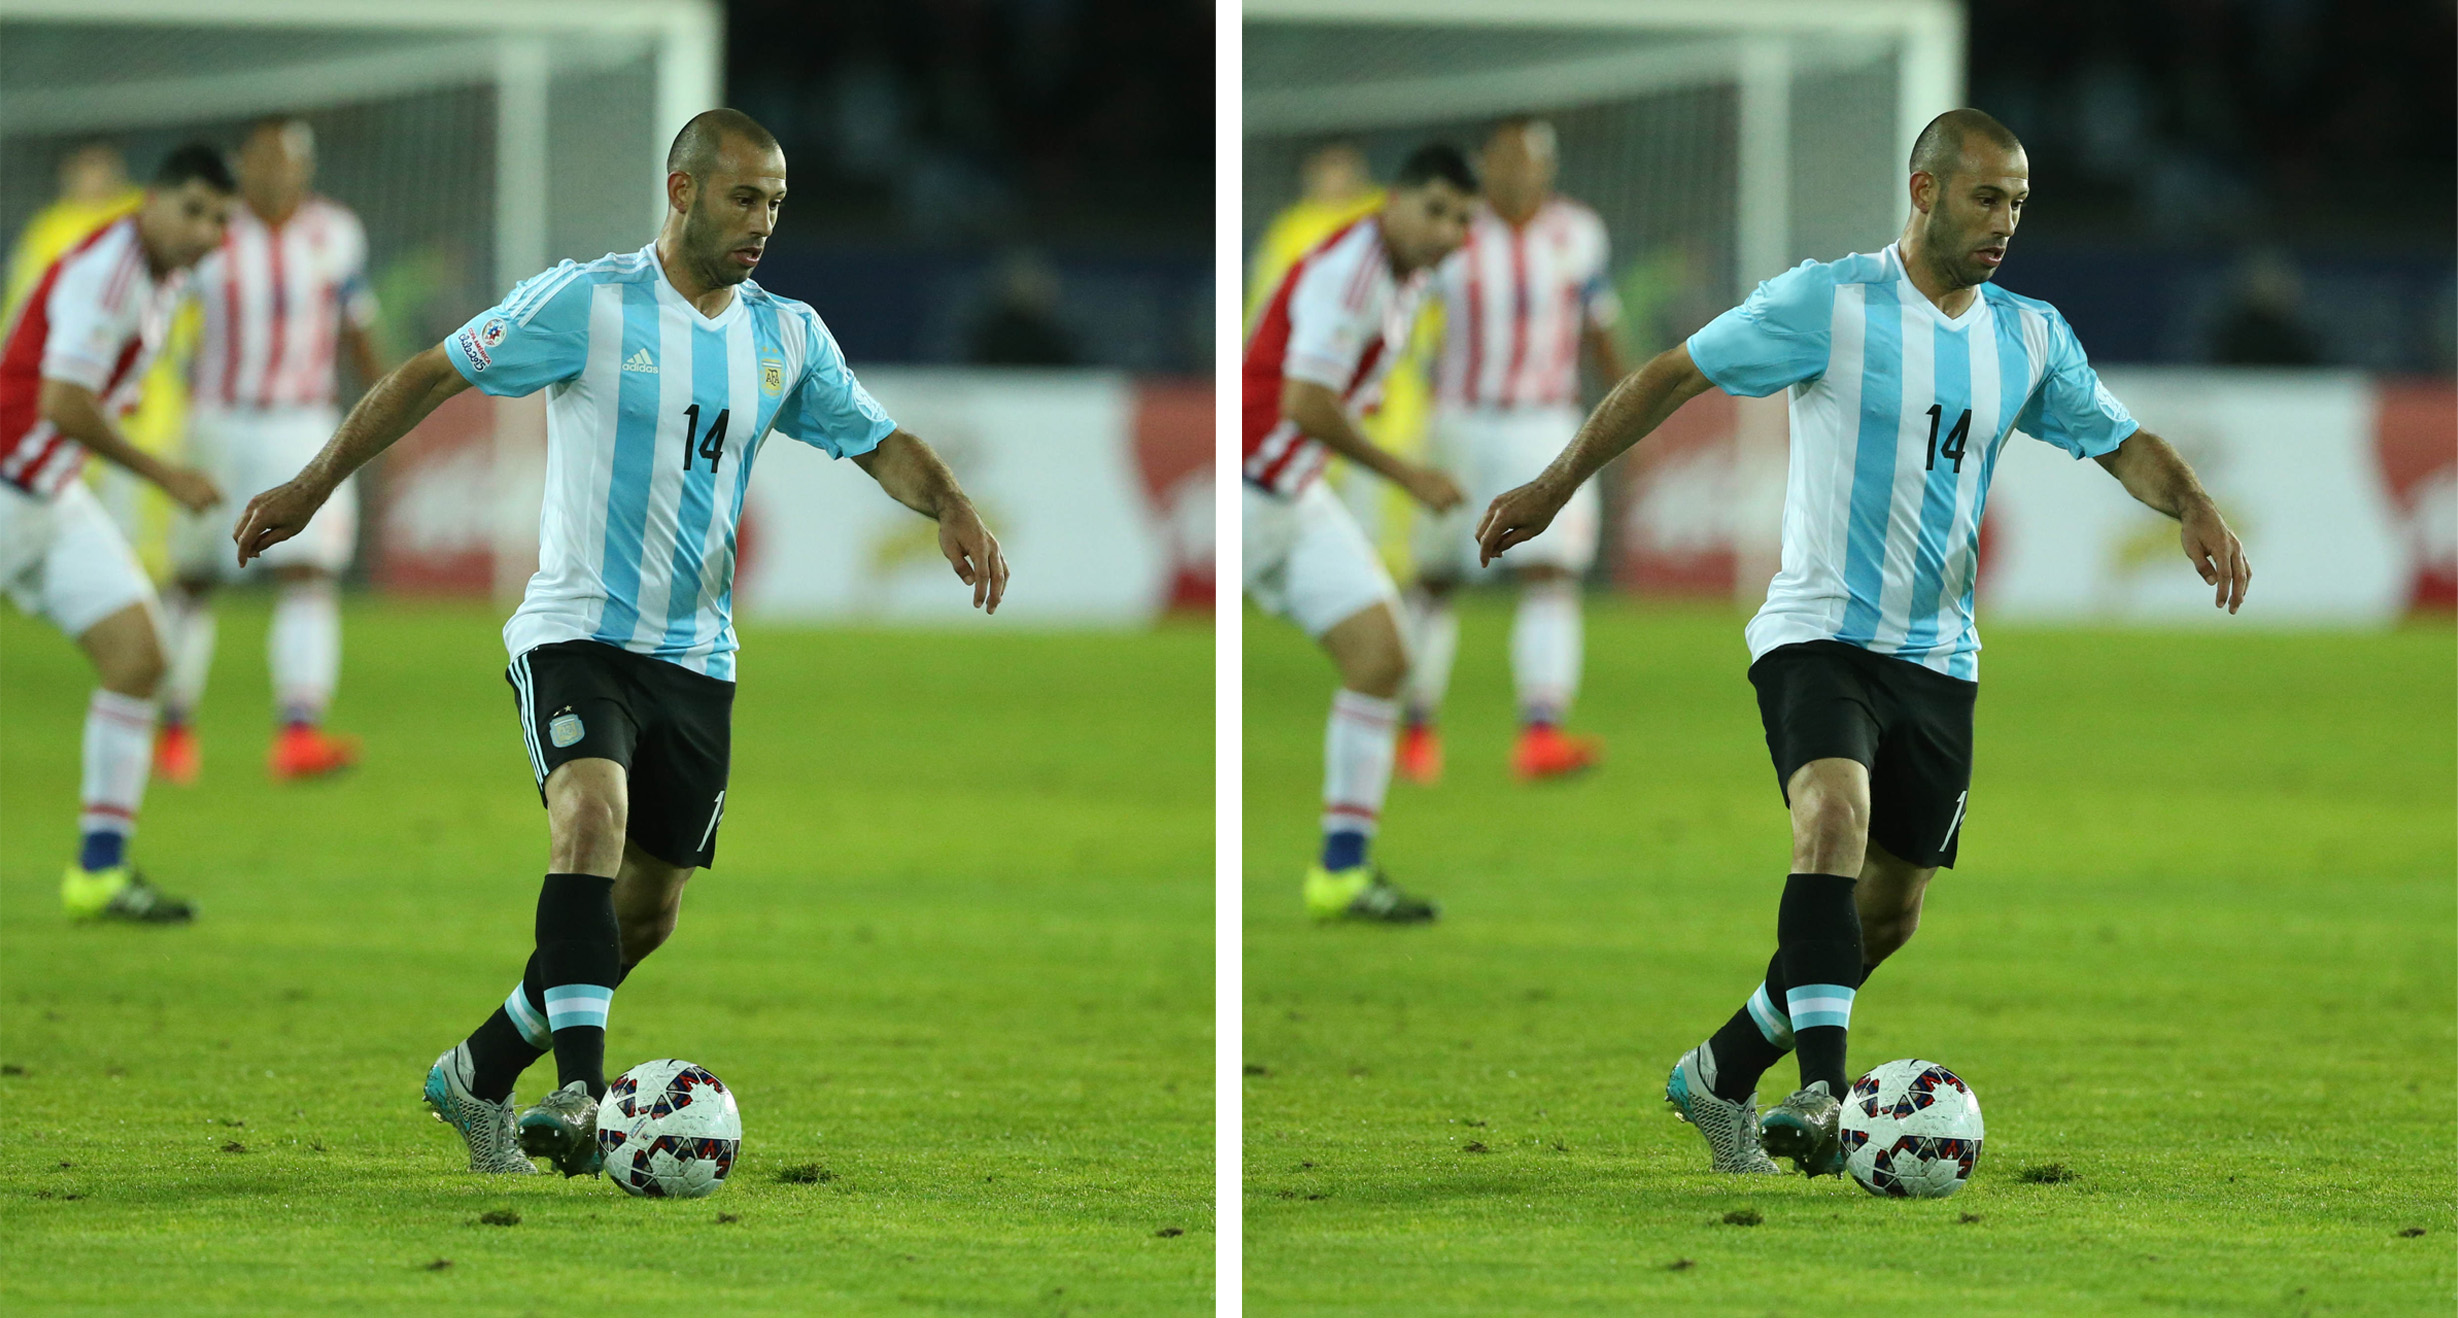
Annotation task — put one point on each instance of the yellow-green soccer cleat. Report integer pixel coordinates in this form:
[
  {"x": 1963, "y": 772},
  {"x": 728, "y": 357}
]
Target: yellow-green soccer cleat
[
  {"x": 119, "y": 893},
  {"x": 1360, "y": 892}
]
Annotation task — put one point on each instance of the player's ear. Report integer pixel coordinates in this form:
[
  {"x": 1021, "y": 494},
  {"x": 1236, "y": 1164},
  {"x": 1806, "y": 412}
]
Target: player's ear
[{"x": 678, "y": 191}]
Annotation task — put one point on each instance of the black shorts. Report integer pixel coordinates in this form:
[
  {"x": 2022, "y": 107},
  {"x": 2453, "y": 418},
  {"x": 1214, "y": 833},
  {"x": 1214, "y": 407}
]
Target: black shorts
[
  {"x": 670, "y": 728},
  {"x": 1910, "y": 725}
]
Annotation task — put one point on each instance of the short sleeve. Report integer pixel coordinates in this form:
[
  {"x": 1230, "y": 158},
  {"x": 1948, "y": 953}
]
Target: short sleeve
[
  {"x": 537, "y": 336},
  {"x": 1327, "y": 338},
  {"x": 86, "y": 334},
  {"x": 2072, "y": 409},
  {"x": 827, "y": 408},
  {"x": 1780, "y": 337}
]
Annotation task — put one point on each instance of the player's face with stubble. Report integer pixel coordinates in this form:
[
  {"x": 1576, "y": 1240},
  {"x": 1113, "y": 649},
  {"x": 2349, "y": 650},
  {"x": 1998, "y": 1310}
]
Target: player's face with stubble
[
  {"x": 1426, "y": 223},
  {"x": 182, "y": 224},
  {"x": 1974, "y": 211},
  {"x": 733, "y": 212}
]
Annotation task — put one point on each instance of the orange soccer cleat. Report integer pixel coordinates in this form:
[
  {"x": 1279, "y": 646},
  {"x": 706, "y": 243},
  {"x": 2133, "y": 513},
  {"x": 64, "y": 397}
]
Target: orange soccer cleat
[
  {"x": 300, "y": 751},
  {"x": 177, "y": 757},
  {"x": 1546, "y": 751},
  {"x": 1421, "y": 754}
]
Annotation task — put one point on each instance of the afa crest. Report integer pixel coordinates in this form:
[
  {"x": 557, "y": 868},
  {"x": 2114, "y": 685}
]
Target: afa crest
[{"x": 772, "y": 376}]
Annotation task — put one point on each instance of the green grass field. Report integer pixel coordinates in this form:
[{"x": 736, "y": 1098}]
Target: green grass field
[
  {"x": 2199, "y": 953},
  {"x": 955, "y": 956}
]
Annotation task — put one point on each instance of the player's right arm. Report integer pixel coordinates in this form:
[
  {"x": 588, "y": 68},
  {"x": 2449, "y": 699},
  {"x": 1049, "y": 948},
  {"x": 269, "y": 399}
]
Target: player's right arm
[
  {"x": 1637, "y": 405},
  {"x": 74, "y": 411},
  {"x": 1777, "y": 338},
  {"x": 384, "y": 414},
  {"x": 1316, "y": 410},
  {"x": 537, "y": 336}
]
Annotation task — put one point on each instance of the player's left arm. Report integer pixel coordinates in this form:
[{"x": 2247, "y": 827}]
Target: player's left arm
[
  {"x": 915, "y": 476},
  {"x": 2153, "y": 471}
]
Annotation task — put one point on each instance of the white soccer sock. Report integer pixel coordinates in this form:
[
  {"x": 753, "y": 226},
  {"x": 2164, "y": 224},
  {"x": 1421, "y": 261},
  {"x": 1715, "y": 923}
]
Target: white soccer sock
[
  {"x": 119, "y": 752},
  {"x": 1546, "y": 648},
  {"x": 189, "y": 624},
  {"x": 1357, "y": 751},
  {"x": 1434, "y": 642},
  {"x": 306, "y": 645}
]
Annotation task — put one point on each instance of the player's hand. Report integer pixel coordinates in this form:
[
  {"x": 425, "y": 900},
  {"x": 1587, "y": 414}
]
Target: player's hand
[
  {"x": 1433, "y": 488},
  {"x": 274, "y": 516},
  {"x": 2216, "y": 553},
  {"x": 974, "y": 553},
  {"x": 193, "y": 490},
  {"x": 1515, "y": 518}
]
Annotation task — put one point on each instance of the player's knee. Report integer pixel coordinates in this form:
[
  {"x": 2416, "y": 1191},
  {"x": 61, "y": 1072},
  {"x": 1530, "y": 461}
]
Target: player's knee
[
  {"x": 1830, "y": 824},
  {"x": 644, "y": 932},
  {"x": 1885, "y": 935},
  {"x": 136, "y": 669},
  {"x": 588, "y": 830},
  {"x": 1379, "y": 673}
]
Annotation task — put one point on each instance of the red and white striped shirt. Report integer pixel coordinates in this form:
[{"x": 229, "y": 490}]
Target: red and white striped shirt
[
  {"x": 95, "y": 319},
  {"x": 275, "y": 299},
  {"x": 1328, "y": 322},
  {"x": 1517, "y": 300}
]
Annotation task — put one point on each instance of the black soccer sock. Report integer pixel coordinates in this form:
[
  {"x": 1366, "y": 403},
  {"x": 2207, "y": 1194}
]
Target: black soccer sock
[
  {"x": 580, "y": 954},
  {"x": 511, "y": 1039},
  {"x": 1755, "y": 1038},
  {"x": 1818, "y": 940}
]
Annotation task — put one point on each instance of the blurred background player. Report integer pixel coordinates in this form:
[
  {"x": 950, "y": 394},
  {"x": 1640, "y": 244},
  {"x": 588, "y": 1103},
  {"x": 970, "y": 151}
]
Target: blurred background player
[
  {"x": 1314, "y": 361},
  {"x": 670, "y": 368},
  {"x": 1526, "y": 296},
  {"x": 283, "y": 298},
  {"x": 94, "y": 190},
  {"x": 76, "y": 350},
  {"x": 1336, "y": 190},
  {"x": 1865, "y": 654}
]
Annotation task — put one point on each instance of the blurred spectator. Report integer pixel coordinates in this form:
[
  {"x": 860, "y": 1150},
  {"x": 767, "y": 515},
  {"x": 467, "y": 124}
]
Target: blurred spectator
[
  {"x": 1021, "y": 326},
  {"x": 2264, "y": 326}
]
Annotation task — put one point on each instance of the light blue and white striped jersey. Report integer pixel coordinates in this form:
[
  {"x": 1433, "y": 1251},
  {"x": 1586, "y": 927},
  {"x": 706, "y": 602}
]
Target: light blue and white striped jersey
[
  {"x": 1898, "y": 414},
  {"x": 653, "y": 415}
]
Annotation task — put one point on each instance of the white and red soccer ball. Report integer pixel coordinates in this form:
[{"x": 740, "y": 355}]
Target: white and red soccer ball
[
  {"x": 1911, "y": 1130},
  {"x": 668, "y": 1129}
]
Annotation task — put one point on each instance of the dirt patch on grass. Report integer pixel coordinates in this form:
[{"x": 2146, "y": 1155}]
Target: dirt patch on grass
[
  {"x": 2047, "y": 1173},
  {"x": 1744, "y": 1217},
  {"x": 500, "y": 1217},
  {"x": 805, "y": 1173}
]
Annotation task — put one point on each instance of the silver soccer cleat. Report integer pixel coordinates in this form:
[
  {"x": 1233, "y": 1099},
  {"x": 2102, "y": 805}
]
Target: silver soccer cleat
[
  {"x": 1730, "y": 1129},
  {"x": 485, "y": 1127}
]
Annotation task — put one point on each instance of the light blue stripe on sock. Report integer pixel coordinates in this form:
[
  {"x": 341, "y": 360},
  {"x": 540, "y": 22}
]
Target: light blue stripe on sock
[
  {"x": 1815, "y": 1005},
  {"x": 568, "y": 1005},
  {"x": 526, "y": 1019},
  {"x": 1771, "y": 1023}
]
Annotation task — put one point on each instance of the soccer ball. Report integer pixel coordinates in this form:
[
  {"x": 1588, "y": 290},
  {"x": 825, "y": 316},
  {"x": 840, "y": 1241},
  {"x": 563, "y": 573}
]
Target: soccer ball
[
  {"x": 1911, "y": 1130},
  {"x": 668, "y": 1130}
]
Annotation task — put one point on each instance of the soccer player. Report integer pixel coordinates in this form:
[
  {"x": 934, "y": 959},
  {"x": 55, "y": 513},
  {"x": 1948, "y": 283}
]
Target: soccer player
[
  {"x": 1314, "y": 360},
  {"x": 1525, "y": 297},
  {"x": 1908, "y": 370},
  {"x": 79, "y": 345},
  {"x": 623, "y": 648},
  {"x": 283, "y": 297}
]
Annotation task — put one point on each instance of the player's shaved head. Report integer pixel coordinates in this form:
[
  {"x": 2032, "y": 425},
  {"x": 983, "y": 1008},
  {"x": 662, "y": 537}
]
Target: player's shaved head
[
  {"x": 698, "y": 148},
  {"x": 1940, "y": 149}
]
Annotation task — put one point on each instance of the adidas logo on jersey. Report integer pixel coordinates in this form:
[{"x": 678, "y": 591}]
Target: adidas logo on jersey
[{"x": 641, "y": 361}]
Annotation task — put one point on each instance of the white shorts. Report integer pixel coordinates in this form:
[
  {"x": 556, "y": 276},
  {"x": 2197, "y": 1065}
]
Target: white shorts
[
  {"x": 248, "y": 451},
  {"x": 64, "y": 559},
  {"x": 1490, "y": 452},
  {"x": 1306, "y": 560}
]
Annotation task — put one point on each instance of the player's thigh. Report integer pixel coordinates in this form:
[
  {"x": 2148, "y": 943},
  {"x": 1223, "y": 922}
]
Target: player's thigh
[
  {"x": 1332, "y": 572},
  {"x": 1920, "y": 784},
  {"x": 685, "y": 754},
  {"x": 573, "y": 706},
  {"x": 84, "y": 570},
  {"x": 1814, "y": 705},
  {"x": 1515, "y": 447},
  {"x": 200, "y": 543}
]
